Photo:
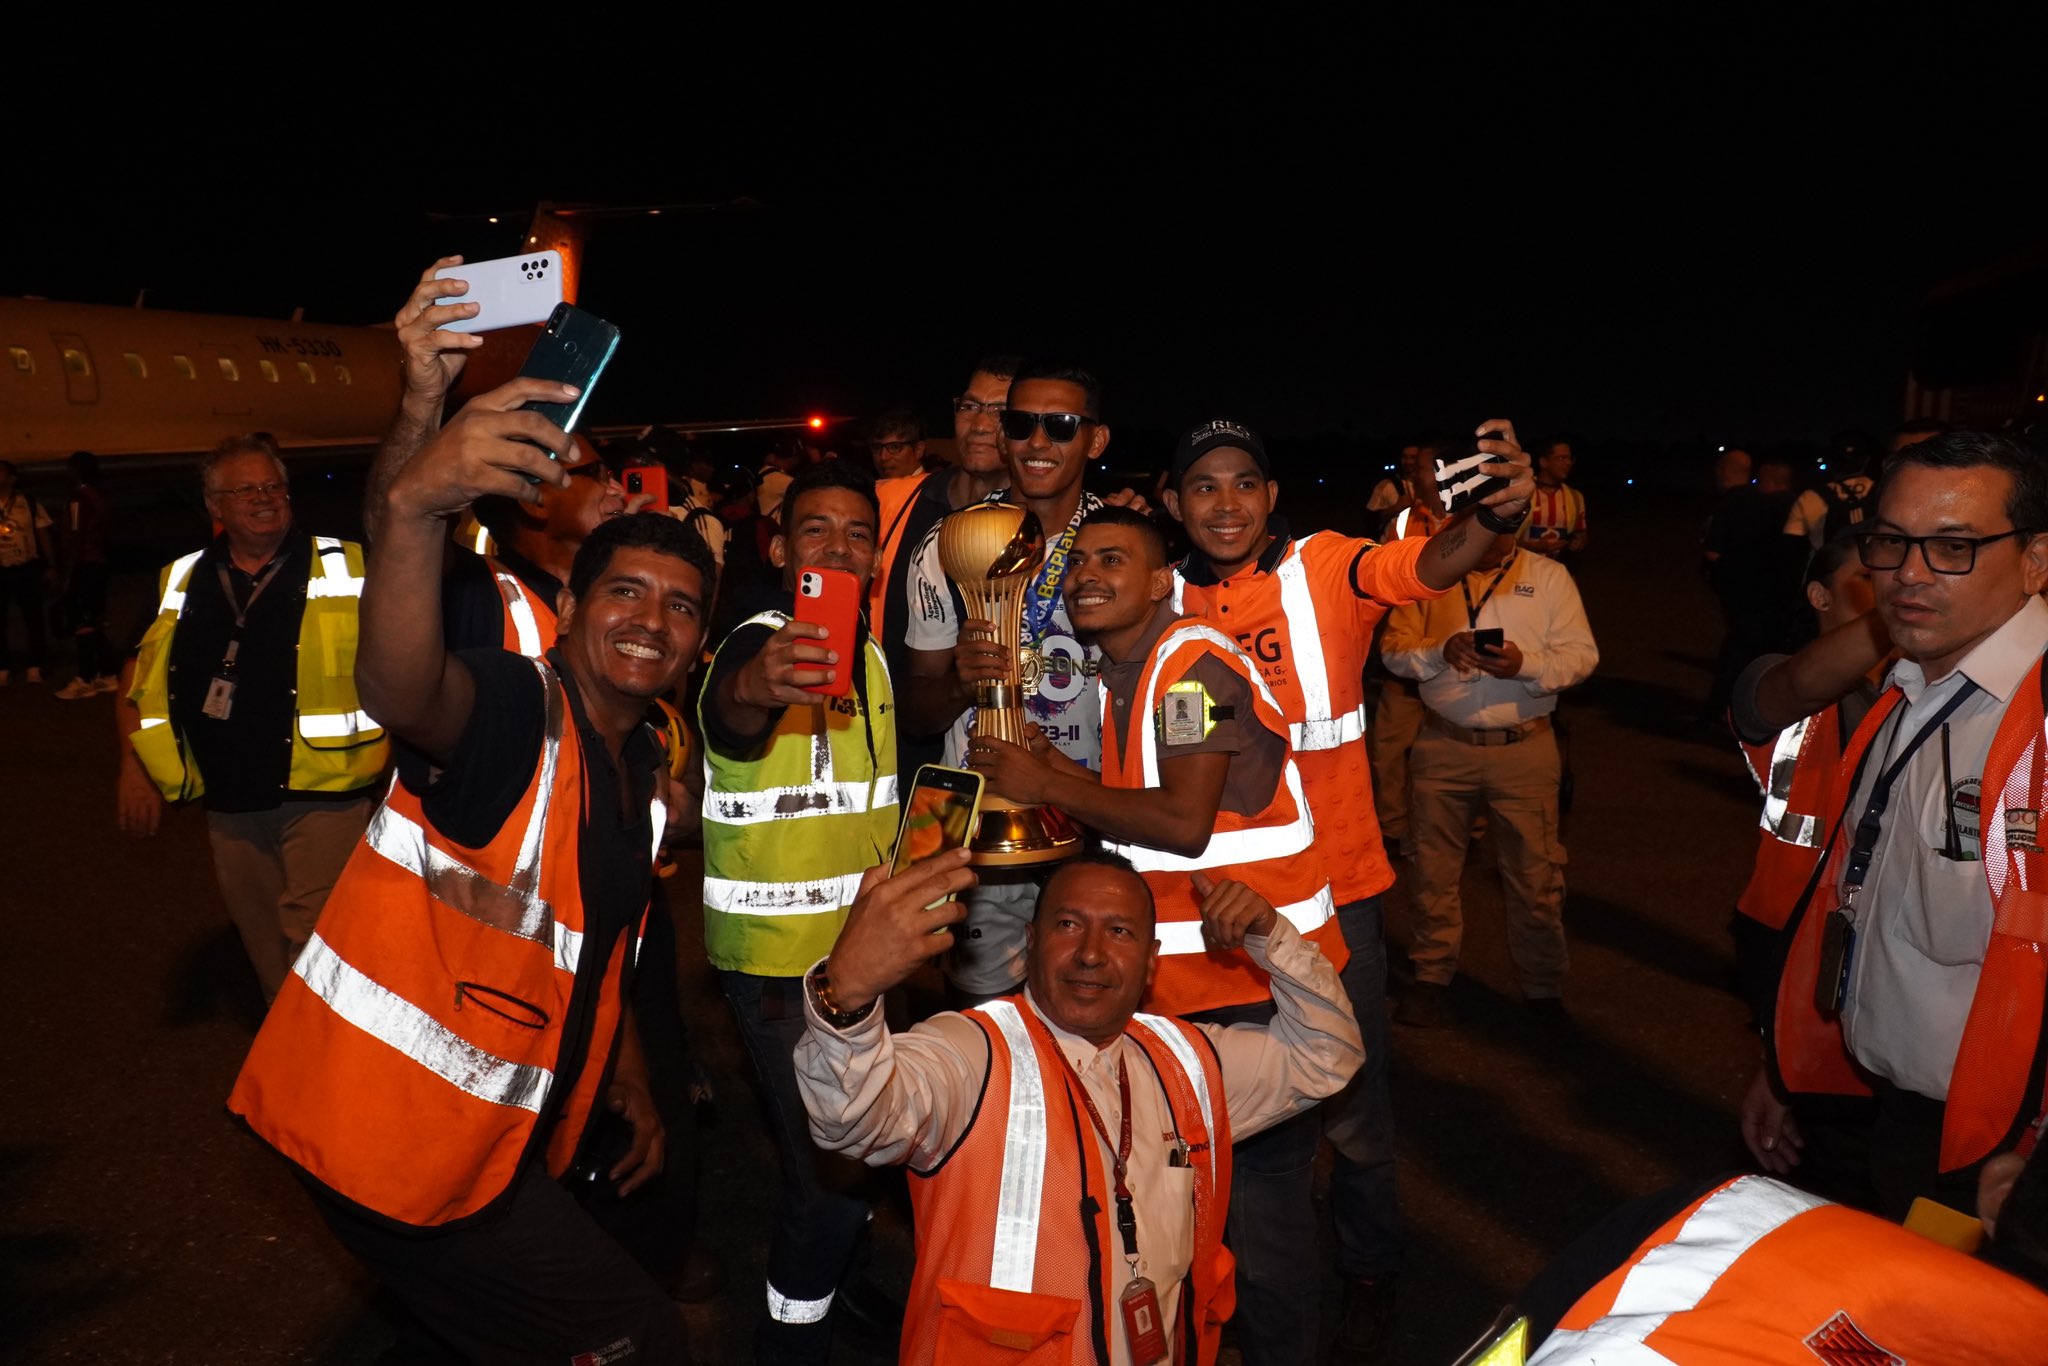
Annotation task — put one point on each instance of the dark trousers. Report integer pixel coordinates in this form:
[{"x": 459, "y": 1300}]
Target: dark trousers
[
  {"x": 1879, "y": 1154},
  {"x": 1270, "y": 1228},
  {"x": 22, "y": 585},
  {"x": 1359, "y": 1120},
  {"x": 822, "y": 1215},
  {"x": 536, "y": 1282},
  {"x": 85, "y": 602}
]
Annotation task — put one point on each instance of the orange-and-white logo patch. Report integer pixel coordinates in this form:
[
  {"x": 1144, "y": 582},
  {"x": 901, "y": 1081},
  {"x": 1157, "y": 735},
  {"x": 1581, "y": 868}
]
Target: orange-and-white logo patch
[{"x": 1839, "y": 1342}]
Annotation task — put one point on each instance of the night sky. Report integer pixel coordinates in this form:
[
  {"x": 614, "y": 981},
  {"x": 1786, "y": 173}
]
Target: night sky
[{"x": 1609, "y": 223}]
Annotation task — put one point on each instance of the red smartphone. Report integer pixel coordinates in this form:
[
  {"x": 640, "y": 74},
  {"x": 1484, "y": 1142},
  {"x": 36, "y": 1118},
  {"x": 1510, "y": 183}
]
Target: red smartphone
[
  {"x": 648, "y": 479},
  {"x": 831, "y": 598}
]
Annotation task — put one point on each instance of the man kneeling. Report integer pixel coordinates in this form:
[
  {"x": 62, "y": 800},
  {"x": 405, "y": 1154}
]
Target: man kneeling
[{"x": 1069, "y": 1158}]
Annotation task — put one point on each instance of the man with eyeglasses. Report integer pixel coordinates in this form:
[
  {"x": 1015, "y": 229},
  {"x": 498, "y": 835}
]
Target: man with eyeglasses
[
  {"x": 242, "y": 692},
  {"x": 1904, "y": 1042},
  {"x": 913, "y": 503},
  {"x": 1052, "y": 429}
]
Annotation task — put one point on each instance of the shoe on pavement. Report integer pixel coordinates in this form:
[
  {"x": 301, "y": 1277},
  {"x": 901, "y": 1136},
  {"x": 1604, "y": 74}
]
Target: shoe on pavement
[
  {"x": 35, "y": 675},
  {"x": 1365, "y": 1333},
  {"x": 75, "y": 689},
  {"x": 1422, "y": 1005},
  {"x": 108, "y": 683}
]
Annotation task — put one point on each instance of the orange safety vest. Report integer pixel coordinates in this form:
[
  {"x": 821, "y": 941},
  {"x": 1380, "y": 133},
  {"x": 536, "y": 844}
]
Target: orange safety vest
[
  {"x": 529, "y": 622},
  {"x": 1755, "y": 1273},
  {"x": 415, "y": 1051},
  {"x": 1794, "y": 773},
  {"x": 1995, "y": 1092},
  {"x": 1315, "y": 666},
  {"x": 894, "y": 497},
  {"x": 1018, "y": 1256},
  {"x": 1273, "y": 852}
]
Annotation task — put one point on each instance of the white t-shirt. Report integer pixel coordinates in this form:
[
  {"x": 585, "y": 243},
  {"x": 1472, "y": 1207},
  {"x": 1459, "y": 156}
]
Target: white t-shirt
[
  {"x": 1063, "y": 704},
  {"x": 20, "y": 515}
]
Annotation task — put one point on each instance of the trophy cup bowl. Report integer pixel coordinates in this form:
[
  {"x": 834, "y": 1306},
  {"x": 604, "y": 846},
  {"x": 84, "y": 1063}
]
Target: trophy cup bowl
[{"x": 990, "y": 552}]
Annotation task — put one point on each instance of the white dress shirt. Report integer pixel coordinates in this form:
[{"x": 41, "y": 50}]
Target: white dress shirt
[
  {"x": 1536, "y": 606},
  {"x": 1923, "y": 920},
  {"x": 886, "y": 1098}
]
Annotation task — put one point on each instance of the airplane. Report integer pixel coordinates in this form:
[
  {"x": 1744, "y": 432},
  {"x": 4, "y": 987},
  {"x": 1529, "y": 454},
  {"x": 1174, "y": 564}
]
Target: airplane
[{"x": 141, "y": 387}]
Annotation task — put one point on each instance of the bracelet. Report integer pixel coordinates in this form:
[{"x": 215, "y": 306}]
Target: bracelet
[
  {"x": 819, "y": 984},
  {"x": 1498, "y": 525}
]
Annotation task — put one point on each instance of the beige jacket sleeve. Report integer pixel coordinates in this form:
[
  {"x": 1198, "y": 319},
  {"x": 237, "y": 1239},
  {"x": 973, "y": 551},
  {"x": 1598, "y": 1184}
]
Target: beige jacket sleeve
[
  {"x": 1310, "y": 1049},
  {"x": 889, "y": 1098}
]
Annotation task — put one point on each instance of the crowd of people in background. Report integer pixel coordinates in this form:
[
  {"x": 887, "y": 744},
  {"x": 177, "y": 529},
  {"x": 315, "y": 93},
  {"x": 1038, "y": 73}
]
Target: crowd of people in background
[{"x": 446, "y": 771}]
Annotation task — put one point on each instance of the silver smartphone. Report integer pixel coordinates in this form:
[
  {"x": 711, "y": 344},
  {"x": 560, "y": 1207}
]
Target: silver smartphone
[{"x": 512, "y": 291}]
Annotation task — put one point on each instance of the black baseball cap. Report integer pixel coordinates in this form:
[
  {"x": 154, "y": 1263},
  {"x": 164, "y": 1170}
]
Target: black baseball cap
[{"x": 1214, "y": 435}]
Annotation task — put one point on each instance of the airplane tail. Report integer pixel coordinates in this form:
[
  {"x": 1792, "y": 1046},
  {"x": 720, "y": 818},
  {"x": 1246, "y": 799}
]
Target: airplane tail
[{"x": 561, "y": 232}]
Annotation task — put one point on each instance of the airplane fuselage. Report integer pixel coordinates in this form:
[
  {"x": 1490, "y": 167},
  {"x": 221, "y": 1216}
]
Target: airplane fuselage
[{"x": 130, "y": 381}]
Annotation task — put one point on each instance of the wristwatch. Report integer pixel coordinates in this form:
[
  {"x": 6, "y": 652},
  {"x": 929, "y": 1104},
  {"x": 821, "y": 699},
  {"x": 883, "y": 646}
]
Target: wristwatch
[
  {"x": 1494, "y": 522},
  {"x": 818, "y": 983}
]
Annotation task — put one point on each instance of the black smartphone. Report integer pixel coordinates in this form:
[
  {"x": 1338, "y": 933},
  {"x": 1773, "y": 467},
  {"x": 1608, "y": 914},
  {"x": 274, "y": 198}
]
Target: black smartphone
[
  {"x": 1459, "y": 483},
  {"x": 1489, "y": 640},
  {"x": 574, "y": 348}
]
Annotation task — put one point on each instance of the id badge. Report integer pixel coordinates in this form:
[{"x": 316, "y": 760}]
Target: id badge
[
  {"x": 1837, "y": 944},
  {"x": 1143, "y": 1329},
  {"x": 220, "y": 699}
]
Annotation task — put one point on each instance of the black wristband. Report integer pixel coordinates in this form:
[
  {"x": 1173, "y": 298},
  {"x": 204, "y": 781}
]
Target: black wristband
[{"x": 1499, "y": 526}]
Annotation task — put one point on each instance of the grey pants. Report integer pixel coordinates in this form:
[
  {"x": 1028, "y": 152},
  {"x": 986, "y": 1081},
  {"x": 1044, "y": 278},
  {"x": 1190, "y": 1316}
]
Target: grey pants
[{"x": 275, "y": 869}]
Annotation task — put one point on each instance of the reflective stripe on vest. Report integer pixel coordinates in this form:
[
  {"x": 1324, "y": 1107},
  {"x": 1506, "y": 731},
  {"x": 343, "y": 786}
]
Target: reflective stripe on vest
[
  {"x": 1185, "y": 936},
  {"x": 1015, "y": 1256},
  {"x": 385, "y": 1015},
  {"x": 524, "y": 625},
  {"x": 1778, "y": 820},
  {"x": 175, "y": 581},
  {"x": 1401, "y": 522},
  {"x": 1675, "y": 1276},
  {"x": 783, "y": 1309},
  {"x": 781, "y": 898},
  {"x": 823, "y": 798},
  {"x": 1177, "y": 1044}
]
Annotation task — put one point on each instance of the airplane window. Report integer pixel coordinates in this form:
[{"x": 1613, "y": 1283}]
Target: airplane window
[
  {"x": 183, "y": 365},
  {"x": 76, "y": 361},
  {"x": 269, "y": 370},
  {"x": 227, "y": 369},
  {"x": 137, "y": 366},
  {"x": 341, "y": 375},
  {"x": 24, "y": 360},
  {"x": 306, "y": 372}
]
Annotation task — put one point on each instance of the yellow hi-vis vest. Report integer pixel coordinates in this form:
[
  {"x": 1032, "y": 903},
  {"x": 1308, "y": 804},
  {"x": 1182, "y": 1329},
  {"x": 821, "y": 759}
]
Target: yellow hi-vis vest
[
  {"x": 336, "y": 746},
  {"x": 789, "y": 830}
]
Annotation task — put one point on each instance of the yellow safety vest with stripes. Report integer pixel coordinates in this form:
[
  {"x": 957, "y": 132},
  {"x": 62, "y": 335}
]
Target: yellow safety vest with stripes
[
  {"x": 789, "y": 829},
  {"x": 336, "y": 746}
]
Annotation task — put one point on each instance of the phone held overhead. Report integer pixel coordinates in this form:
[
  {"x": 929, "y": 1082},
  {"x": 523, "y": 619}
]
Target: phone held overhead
[
  {"x": 512, "y": 291},
  {"x": 651, "y": 482},
  {"x": 1460, "y": 482},
  {"x": 574, "y": 348}
]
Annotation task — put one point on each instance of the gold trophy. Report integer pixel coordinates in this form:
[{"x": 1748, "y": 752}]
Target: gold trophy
[{"x": 990, "y": 552}]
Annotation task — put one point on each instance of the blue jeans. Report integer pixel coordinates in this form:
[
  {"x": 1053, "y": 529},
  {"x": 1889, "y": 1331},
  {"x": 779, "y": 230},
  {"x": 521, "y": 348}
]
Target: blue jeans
[
  {"x": 1359, "y": 1120},
  {"x": 822, "y": 1215},
  {"x": 1272, "y": 1208}
]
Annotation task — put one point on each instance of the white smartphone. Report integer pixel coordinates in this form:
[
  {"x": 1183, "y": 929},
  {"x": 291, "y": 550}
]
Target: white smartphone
[{"x": 514, "y": 290}]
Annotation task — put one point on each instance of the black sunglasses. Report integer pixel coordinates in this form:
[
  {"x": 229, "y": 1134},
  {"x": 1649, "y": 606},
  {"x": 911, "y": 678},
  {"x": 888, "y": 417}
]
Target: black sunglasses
[{"x": 1060, "y": 428}]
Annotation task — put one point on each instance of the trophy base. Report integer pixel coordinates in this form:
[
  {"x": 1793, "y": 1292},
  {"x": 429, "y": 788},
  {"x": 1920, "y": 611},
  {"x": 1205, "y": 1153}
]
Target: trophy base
[{"x": 1012, "y": 836}]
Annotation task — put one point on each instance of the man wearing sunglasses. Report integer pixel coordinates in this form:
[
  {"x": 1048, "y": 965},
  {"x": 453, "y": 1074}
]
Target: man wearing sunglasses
[
  {"x": 1052, "y": 429},
  {"x": 1904, "y": 1040}
]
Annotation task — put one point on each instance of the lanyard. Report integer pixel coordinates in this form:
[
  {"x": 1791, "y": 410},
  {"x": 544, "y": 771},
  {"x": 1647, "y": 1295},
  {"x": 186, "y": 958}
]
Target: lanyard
[
  {"x": 227, "y": 589},
  {"x": 1045, "y": 594},
  {"x": 1126, "y": 1213},
  {"x": 1872, "y": 823},
  {"x": 1472, "y": 608}
]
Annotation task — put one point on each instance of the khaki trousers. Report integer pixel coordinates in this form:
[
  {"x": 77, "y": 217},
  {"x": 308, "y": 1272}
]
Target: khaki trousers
[
  {"x": 1516, "y": 786},
  {"x": 275, "y": 869},
  {"x": 1396, "y": 721}
]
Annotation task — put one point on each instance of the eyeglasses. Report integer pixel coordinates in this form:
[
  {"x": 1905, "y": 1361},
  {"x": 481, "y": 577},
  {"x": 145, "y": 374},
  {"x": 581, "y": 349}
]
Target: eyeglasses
[
  {"x": 242, "y": 493},
  {"x": 890, "y": 447},
  {"x": 1944, "y": 554},
  {"x": 1060, "y": 428},
  {"x": 974, "y": 407}
]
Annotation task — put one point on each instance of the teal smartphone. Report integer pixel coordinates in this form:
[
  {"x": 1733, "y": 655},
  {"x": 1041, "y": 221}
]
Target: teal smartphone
[{"x": 574, "y": 348}]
